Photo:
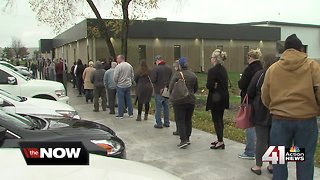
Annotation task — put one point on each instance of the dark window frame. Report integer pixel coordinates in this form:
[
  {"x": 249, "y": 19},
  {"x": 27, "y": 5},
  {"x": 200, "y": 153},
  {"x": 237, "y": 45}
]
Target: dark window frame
[{"x": 176, "y": 51}]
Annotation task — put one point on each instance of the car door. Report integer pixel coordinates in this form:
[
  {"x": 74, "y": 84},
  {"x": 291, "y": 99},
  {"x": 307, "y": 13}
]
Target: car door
[{"x": 13, "y": 88}]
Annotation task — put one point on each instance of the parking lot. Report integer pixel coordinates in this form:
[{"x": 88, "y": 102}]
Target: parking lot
[{"x": 158, "y": 147}]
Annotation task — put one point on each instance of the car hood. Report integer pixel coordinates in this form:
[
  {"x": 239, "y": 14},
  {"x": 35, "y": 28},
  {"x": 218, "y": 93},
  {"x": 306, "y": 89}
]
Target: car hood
[
  {"x": 80, "y": 132},
  {"x": 45, "y": 83},
  {"x": 47, "y": 104},
  {"x": 42, "y": 107},
  {"x": 70, "y": 123}
]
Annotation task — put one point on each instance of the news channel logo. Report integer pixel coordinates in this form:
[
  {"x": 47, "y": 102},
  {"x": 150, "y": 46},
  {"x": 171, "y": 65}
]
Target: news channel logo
[
  {"x": 281, "y": 155},
  {"x": 54, "y": 153}
]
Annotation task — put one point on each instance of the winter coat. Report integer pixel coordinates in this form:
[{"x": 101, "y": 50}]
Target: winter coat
[
  {"x": 247, "y": 75},
  {"x": 191, "y": 83},
  {"x": 260, "y": 113},
  {"x": 291, "y": 86},
  {"x": 143, "y": 88},
  {"x": 217, "y": 84},
  {"x": 98, "y": 75},
  {"x": 86, "y": 78},
  {"x": 160, "y": 77}
]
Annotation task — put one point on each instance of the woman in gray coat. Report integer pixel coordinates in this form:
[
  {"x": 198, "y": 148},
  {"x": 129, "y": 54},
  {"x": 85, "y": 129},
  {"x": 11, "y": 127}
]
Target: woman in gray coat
[{"x": 144, "y": 89}]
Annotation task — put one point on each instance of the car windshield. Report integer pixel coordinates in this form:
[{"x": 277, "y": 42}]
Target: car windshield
[
  {"x": 9, "y": 66},
  {"x": 17, "y": 120},
  {"x": 8, "y": 95},
  {"x": 18, "y": 74}
]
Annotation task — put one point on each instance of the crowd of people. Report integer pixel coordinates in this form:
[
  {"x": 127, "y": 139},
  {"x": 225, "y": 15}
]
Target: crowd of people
[{"x": 284, "y": 94}]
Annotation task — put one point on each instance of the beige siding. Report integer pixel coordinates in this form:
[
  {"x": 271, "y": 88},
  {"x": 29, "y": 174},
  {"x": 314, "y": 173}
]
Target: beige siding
[{"x": 190, "y": 48}]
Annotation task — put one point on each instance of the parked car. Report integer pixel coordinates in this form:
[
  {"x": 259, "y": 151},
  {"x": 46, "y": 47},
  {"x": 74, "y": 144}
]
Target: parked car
[
  {"x": 19, "y": 85},
  {"x": 19, "y": 70},
  {"x": 96, "y": 141},
  {"x": 34, "y": 106},
  {"x": 99, "y": 168},
  {"x": 66, "y": 122}
]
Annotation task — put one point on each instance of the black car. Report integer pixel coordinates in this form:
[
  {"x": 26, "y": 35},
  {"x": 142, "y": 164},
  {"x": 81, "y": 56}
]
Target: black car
[{"x": 96, "y": 141}]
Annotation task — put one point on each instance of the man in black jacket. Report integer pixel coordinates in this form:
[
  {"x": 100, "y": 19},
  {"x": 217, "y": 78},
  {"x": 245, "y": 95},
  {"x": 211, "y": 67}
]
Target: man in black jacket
[{"x": 160, "y": 77}]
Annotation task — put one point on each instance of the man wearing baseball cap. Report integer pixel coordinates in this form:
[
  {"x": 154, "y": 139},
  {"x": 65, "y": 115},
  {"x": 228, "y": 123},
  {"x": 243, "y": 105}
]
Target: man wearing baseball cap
[{"x": 160, "y": 77}]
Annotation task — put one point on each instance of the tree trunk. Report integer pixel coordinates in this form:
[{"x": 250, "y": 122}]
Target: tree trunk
[
  {"x": 125, "y": 27},
  {"x": 103, "y": 28}
]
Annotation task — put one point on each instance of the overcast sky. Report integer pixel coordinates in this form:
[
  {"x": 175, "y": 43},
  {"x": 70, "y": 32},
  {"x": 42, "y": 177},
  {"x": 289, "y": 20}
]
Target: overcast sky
[{"x": 21, "y": 22}]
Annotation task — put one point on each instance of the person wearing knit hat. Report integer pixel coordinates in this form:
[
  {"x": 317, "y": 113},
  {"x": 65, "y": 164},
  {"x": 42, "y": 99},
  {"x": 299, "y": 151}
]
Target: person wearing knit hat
[
  {"x": 293, "y": 42},
  {"x": 183, "y": 108},
  {"x": 290, "y": 91}
]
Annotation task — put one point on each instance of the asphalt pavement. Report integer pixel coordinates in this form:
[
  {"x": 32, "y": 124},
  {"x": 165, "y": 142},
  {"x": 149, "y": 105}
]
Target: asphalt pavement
[{"x": 158, "y": 147}]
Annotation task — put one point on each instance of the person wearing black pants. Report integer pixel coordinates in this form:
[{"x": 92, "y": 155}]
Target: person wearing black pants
[
  {"x": 183, "y": 115},
  {"x": 79, "y": 72},
  {"x": 218, "y": 97},
  {"x": 183, "y": 108},
  {"x": 217, "y": 118}
]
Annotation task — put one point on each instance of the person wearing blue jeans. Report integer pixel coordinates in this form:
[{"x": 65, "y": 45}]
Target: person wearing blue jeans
[
  {"x": 162, "y": 102},
  {"x": 303, "y": 134},
  {"x": 160, "y": 77},
  {"x": 249, "y": 151},
  {"x": 123, "y": 77},
  {"x": 291, "y": 92},
  {"x": 124, "y": 94}
]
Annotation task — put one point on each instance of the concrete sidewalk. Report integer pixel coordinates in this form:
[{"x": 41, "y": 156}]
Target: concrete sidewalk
[{"x": 158, "y": 147}]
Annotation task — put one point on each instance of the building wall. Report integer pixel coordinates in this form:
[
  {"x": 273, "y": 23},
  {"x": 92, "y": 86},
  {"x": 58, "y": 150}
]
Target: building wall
[
  {"x": 198, "y": 51},
  {"x": 308, "y": 35}
]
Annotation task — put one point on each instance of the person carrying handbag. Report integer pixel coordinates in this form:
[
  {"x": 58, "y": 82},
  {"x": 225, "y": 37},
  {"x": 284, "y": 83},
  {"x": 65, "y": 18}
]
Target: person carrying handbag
[{"x": 183, "y": 107}]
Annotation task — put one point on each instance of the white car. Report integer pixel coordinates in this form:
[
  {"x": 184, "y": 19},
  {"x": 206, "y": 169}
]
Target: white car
[
  {"x": 22, "y": 71},
  {"x": 13, "y": 166},
  {"x": 19, "y": 85},
  {"x": 34, "y": 106}
]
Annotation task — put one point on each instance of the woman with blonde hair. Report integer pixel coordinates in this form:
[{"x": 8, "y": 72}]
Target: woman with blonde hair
[
  {"x": 218, "y": 97},
  {"x": 261, "y": 117},
  {"x": 88, "y": 86},
  {"x": 254, "y": 65}
]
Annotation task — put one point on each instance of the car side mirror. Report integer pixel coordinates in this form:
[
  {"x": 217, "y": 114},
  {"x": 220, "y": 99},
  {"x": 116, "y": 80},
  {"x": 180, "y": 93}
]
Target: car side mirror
[
  {"x": 12, "y": 80},
  {"x": 2, "y": 133}
]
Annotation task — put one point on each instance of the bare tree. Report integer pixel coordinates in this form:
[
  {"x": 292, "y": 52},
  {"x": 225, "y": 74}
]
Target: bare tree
[
  {"x": 62, "y": 13},
  {"x": 16, "y": 44},
  {"x": 138, "y": 10}
]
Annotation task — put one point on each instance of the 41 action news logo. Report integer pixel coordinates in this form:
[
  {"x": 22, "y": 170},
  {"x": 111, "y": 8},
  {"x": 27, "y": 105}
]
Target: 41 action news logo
[
  {"x": 54, "y": 153},
  {"x": 280, "y": 154}
]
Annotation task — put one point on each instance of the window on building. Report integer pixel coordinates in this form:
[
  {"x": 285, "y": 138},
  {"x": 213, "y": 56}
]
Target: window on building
[
  {"x": 176, "y": 52},
  {"x": 220, "y": 47},
  {"x": 245, "y": 55},
  {"x": 142, "y": 52}
]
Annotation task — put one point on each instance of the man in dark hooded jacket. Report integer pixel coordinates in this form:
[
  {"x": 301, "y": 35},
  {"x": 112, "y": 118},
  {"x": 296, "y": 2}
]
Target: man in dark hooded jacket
[{"x": 99, "y": 89}]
